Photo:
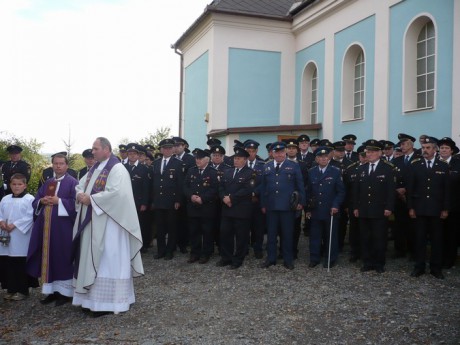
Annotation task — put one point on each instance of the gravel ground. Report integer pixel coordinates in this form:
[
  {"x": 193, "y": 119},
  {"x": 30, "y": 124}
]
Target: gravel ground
[{"x": 180, "y": 303}]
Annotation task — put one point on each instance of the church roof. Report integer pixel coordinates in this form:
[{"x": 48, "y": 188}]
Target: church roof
[{"x": 269, "y": 9}]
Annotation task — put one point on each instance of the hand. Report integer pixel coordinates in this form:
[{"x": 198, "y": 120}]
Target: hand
[
  {"x": 227, "y": 201},
  {"x": 264, "y": 210},
  {"x": 10, "y": 227},
  {"x": 84, "y": 199},
  {"x": 444, "y": 214},
  {"x": 143, "y": 208},
  {"x": 53, "y": 200},
  {"x": 401, "y": 191},
  {"x": 412, "y": 213},
  {"x": 356, "y": 213},
  {"x": 334, "y": 211},
  {"x": 299, "y": 207},
  {"x": 198, "y": 200},
  {"x": 2, "y": 225},
  {"x": 308, "y": 215},
  {"x": 387, "y": 213},
  {"x": 176, "y": 205}
]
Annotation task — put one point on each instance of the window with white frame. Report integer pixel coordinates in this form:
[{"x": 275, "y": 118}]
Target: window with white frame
[
  {"x": 353, "y": 84},
  {"x": 419, "y": 83},
  {"x": 309, "y": 100},
  {"x": 358, "y": 94},
  {"x": 425, "y": 66}
]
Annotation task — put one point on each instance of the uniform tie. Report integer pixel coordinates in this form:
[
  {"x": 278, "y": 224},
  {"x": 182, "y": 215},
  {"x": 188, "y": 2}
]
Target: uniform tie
[
  {"x": 406, "y": 160},
  {"x": 236, "y": 172},
  {"x": 201, "y": 171},
  {"x": 163, "y": 168},
  {"x": 429, "y": 164},
  {"x": 251, "y": 164},
  {"x": 372, "y": 168},
  {"x": 277, "y": 168}
]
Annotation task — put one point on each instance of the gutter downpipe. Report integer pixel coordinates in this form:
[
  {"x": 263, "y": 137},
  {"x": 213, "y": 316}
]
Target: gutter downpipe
[{"x": 181, "y": 88}]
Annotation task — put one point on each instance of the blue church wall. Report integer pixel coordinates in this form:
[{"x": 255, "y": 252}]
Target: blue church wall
[
  {"x": 254, "y": 79},
  {"x": 196, "y": 101},
  {"x": 438, "y": 120}
]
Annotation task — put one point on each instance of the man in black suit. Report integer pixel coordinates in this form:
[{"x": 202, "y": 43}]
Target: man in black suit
[
  {"x": 373, "y": 203},
  {"x": 235, "y": 191},
  {"x": 89, "y": 162},
  {"x": 13, "y": 166},
  {"x": 304, "y": 155},
  {"x": 201, "y": 190},
  {"x": 140, "y": 182},
  {"x": 350, "y": 142},
  {"x": 404, "y": 228},
  {"x": 428, "y": 203},
  {"x": 168, "y": 178}
]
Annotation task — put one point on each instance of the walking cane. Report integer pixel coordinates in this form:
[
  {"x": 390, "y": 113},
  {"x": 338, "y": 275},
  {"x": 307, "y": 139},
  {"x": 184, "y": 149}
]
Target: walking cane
[{"x": 330, "y": 241}]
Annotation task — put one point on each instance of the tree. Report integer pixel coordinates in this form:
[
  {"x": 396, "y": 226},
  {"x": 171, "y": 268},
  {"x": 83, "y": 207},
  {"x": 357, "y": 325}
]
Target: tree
[{"x": 154, "y": 139}]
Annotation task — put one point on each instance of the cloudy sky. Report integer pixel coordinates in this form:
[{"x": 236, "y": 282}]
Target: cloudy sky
[{"x": 90, "y": 68}]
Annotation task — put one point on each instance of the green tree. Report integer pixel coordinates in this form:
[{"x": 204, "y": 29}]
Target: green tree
[{"x": 155, "y": 138}]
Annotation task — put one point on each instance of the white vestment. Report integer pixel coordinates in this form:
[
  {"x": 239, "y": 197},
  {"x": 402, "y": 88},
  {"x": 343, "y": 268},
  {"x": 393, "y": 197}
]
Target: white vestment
[
  {"x": 110, "y": 244},
  {"x": 17, "y": 211}
]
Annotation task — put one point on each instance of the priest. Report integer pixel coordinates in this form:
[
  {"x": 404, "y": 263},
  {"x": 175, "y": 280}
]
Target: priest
[{"x": 107, "y": 236}]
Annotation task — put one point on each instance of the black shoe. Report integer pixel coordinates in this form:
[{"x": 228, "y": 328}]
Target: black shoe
[
  {"x": 267, "y": 264},
  {"x": 399, "y": 255},
  {"x": 204, "y": 260},
  {"x": 417, "y": 272},
  {"x": 100, "y": 313},
  {"x": 61, "y": 300},
  {"x": 158, "y": 256},
  {"x": 289, "y": 266},
  {"x": 437, "y": 274},
  {"x": 234, "y": 266},
  {"x": 380, "y": 270},
  {"x": 222, "y": 263},
  {"x": 193, "y": 259},
  {"x": 366, "y": 268},
  {"x": 183, "y": 250},
  {"x": 169, "y": 256},
  {"x": 49, "y": 299},
  {"x": 259, "y": 255},
  {"x": 313, "y": 264}
]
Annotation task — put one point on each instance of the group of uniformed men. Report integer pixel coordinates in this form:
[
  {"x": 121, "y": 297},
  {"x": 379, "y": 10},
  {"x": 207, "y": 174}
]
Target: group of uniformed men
[{"x": 205, "y": 199}]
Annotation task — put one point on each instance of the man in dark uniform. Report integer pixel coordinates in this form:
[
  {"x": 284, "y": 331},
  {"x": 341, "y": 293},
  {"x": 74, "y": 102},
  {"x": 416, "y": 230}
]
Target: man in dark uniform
[
  {"x": 447, "y": 147},
  {"x": 292, "y": 153},
  {"x": 216, "y": 142},
  {"x": 123, "y": 153},
  {"x": 388, "y": 150},
  {"x": 269, "y": 153},
  {"x": 89, "y": 162},
  {"x": 349, "y": 178},
  {"x": 326, "y": 193},
  {"x": 281, "y": 178},
  {"x": 314, "y": 144},
  {"x": 13, "y": 166},
  {"x": 235, "y": 191},
  {"x": 350, "y": 142},
  {"x": 257, "y": 217},
  {"x": 373, "y": 203},
  {"x": 201, "y": 189},
  {"x": 188, "y": 161},
  {"x": 404, "y": 228},
  {"x": 48, "y": 173},
  {"x": 304, "y": 155},
  {"x": 217, "y": 162},
  {"x": 140, "y": 182},
  {"x": 428, "y": 203},
  {"x": 168, "y": 177}
]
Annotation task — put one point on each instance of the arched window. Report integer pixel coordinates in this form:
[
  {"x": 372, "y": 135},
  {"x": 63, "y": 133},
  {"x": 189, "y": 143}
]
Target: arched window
[
  {"x": 353, "y": 84},
  {"x": 358, "y": 97},
  {"x": 420, "y": 65},
  {"x": 310, "y": 94},
  {"x": 425, "y": 66}
]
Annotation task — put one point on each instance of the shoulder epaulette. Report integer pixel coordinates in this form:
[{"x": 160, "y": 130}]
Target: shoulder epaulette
[
  {"x": 415, "y": 160},
  {"x": 388, "y": 162},
  {"x": 353, "y": 165}
]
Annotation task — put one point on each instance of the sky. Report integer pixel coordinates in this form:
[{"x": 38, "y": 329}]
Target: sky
[{"x": 73, "y": 70}]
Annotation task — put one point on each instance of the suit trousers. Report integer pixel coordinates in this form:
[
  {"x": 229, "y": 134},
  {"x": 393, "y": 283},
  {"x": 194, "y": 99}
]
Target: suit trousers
[
  {"x": 201, "y": 236},
  {"x": 283, "y": 220},
  {"x": 166, "y": 224},
  {"x": 319, "y": 233},
  {"x": 428, "y": 227},
  {"x": 146, "y": 229},
  {"x": 354, "y": 236},
  {"x": 373, "y": 238},
  {"x": 234, "y": 239}
]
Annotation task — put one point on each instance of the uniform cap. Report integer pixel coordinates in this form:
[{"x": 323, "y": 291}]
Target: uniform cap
[
  {"x": 213, "y": 142},
  {"x": 217, "y": 149},
  {"x": 339, "y": 145},
  {"x": 303, "y": 137},
  {"x": 277, "y": 146},
  {"x": 373, "y": 145},
  {"x": 88, "y": 153},
  {"x": 122, "y": 147},
  {"x": 447, "y": 141},
  {"x": 199, "y": 153},
  {"x": 314, "y": 142},
  {"x": 291, "y": 143},
  {"x": 132, "y": 147},
  {"x": 430, "y": 140},
  {"x": 240, "y": 152},
  {"x": 405, "y": 137},
  {"x": 14, "y": 149},
  {"x": 350, "y": 138},
  {"x": 63, "y": 153},
  {"x": 149, "y": 147},
  {"x": 251, "y": 144},
  {"x": 322, "y": 150},
  {"x": 167, "y": 143}
]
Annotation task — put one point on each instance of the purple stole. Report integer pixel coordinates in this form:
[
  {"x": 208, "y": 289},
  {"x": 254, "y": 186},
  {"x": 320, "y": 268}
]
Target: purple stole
[{"x": 98, "y": 186}]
